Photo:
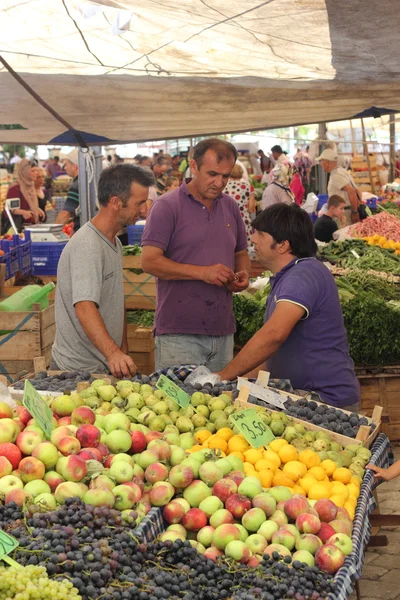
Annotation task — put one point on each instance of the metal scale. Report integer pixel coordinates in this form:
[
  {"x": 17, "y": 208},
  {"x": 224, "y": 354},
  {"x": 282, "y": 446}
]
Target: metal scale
[{"x": 41, "y": 232}]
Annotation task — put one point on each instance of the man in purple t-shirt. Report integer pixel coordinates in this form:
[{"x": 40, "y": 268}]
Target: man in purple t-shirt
[
  {"x": 194, "y": 242},
  {"x": 304, "y": 338}
]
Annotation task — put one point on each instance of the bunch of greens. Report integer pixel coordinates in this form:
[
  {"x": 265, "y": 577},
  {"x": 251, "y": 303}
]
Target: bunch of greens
[
  {"x": 338, "y": 252},
  {"x": 249, "y": 314},
  {"x": 141, "y": 318},
  {"x": 375, "y": 259},
  {"x": 356, "y": 282},
  {"x": 132, "y": 250},
  {"x": 390, "y": 207}
]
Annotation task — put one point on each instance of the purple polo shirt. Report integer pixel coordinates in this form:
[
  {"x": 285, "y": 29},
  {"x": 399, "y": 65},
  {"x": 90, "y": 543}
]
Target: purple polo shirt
[
  {"x": 189, "y": 234},
  {"x": 316, "y": 355}
]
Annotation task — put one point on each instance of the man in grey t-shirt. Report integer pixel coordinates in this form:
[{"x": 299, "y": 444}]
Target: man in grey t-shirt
[{"x": 90, "y": 315}]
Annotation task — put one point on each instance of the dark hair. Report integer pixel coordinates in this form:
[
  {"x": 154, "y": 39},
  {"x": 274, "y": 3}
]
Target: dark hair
[
  {"x": 224, "y": 150},
  {"x": 176, "y": 156},
  {"x": 260, "y": 151},
  {"x": 109, "y": 157},
  {"x": 56, "y": 158},
  {"x": 277, "y": 148},
  {"x": 170, "y": 180},
  {"x": 161, "y": 160},
  {"x": 335, "y": 201},
  {"x": 117, "y": 181},
  {"x": 288, "y": 222},
  {"x": 143, "y": 159}
]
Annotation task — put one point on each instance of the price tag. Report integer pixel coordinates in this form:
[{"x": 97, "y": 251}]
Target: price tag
[
  {"x": 267, "y": 394},
  {"x": 7, "y": 544},
  {"x": 355, "y": 253},
  {"x": 263, "y": 378},
  {"x": 174, "y": 391},
  {"x": 256, "y": 432},
  {"x": 38, "y": 408}
]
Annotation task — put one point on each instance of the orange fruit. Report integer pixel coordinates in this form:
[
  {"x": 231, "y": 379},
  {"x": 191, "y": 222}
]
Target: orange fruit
[
  {"x": 342, "y": 474},
  {"x": 195, "y": 448},
  {"x": 288, "y": 453},
  {"x": 273, "y": 457},
  {"x": 338, "y": 499},
  {"x": 318, "y": 473},
  {"x": 253, "y": 455},
  {"x": 226, "y": 433},
  {"x": 309, "y": 458},
  {"x": 277, "y": 444},
  {"x": 281, "y": 478},
  {"x": 306, "y": 483},
  {"x": 266, "y": 465},
  {"x": 265, "y": 477},
  {"x": 202, "y": 435},
  {"x": 237, "y": 443},
  {"x": 329, "y": 466},
  {"x": 319, "y": 490},
  {"x": 295, "y": 469},
  {"x": 217, "y": 442}
]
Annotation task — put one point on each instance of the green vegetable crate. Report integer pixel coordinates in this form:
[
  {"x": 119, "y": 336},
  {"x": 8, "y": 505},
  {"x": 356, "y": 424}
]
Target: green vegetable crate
[
  {"x": 139, "y": 287},
  {"x": 363, "y": 436}
]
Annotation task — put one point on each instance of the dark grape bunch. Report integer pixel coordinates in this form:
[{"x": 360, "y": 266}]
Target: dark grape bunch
[
  {"x": 55, "y": 383},
  {"x": 206, "y": 388},
  {"x": 327, "y": 417},
  {"x": 93, "y": 549}
]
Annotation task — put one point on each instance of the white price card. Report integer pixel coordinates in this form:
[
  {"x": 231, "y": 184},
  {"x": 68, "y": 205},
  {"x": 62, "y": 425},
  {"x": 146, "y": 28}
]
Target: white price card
[{"x": 267, "y": 394}]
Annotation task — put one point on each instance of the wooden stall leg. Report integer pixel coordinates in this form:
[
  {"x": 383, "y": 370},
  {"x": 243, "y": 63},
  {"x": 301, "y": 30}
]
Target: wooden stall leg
[
  {"x": 376, "y": 511},
  {"x": 2, "y": 279},
  {"x": 358, "y": 591}
]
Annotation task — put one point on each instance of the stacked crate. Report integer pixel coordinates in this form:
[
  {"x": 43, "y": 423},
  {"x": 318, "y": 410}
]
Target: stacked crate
[{"x": 361, "y": 175}]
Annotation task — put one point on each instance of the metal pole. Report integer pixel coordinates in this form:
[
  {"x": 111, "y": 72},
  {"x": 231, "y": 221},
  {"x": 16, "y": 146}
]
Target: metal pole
[
  {"x": 392, "y": 150},
  {"x": 322, "y": 178},
  {"x": 87, "y": 190},
  {"x": 366, "y": 153}
]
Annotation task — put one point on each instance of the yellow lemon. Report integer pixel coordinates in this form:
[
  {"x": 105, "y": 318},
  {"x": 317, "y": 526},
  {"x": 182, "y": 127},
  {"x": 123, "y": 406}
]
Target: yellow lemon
[
  {"x": 265, "y": 477},
  {"x": 295, "y": 469},
  {"x": 350, "y": 510},
  {"x": 338, "y": 499},
  {"x": 318, "y": 473},
  {"x": 281, "y": 478},
  {"x": 226, "y": 433},
  {"x": 329, "y": 466},
  {"x": 202, "y": 435},
  {"x": 252, "y": 455},
  {"x": 342, "y": 474},
  {"x": 298, "y": 489},
  {"x": 273, "y": 457},
  {"x": 318, "y": 491},
  {"x": 266, "y": 465},
  {"x": 195, "y": 448},
  {"x": 306, "y": 482},
  {"x": 217, "y": 442},
  {"x": 237, "y": 443},
  {"x": 239, "y": 455},
  {"x": 351, "y": 501},
  {"x": 356, "y": 480},
  {"x": 248, "y": 468},
  {"x": 337, "y": 487},
  {"x": 354, "y": 490},
  {"x": 277, "y": 444},
  {"x": 309, "y": 458},
  {"x": 288, "y": 453}
]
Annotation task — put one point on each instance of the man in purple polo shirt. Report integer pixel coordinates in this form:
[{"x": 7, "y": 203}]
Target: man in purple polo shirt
[
  {"x": 304, "y": 338},
  {"x": 194, "y": 242}
]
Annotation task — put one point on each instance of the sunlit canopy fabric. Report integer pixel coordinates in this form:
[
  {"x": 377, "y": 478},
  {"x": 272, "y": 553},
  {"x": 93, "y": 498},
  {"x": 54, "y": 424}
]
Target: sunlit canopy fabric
[{"x": 131, "y": 71}]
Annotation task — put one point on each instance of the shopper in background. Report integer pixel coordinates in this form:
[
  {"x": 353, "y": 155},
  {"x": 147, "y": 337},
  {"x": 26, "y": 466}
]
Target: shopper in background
[
  {"x": 24, "y": 189},
  {"x": 341, "y": 183},
  {"x": 160, "y": 168},
  {"x": 38, "y": 175},
  {"x": 278, "y": 189},
  {"x": 194, "y": 242},
  {"x": 303, "y": 164},
  {"x": 90, "y": 315},
  {"x": 243, "y": 194},
  {"x": 171, "y": 183},
  {"x": 265, "y": 162},
  {"x": 145, "y": 161},
  {"x": 325, "y": 226},
  {"x": 53, "y": 167},
  {"x": 279, "y": 155},
  {"x": 304, "y": 333},
  {"x": 176, "y": 161},
  {"x": 71, "y": 209}
]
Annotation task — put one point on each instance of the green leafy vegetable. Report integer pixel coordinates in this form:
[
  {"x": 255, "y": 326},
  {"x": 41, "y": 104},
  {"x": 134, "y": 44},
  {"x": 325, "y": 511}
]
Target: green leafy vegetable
[{"x": 142, "y": 318}]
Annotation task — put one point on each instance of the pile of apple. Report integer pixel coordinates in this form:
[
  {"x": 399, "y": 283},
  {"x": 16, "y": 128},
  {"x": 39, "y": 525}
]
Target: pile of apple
[{"x": 236, "y": 517}]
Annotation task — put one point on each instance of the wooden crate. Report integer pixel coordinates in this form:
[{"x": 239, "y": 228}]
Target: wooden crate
[
  {"x": 382, "y": 389},
  {"x": 139, "y": 289},
  {"x": 30, "y": 334},
  {"x": 141, "y": 348}
]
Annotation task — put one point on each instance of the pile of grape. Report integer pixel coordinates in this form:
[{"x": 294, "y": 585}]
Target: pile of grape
[
  {"x": 32, "y": 583},
  {"x": 55, "y": 383},
  {"x": 100, "y": 556}
]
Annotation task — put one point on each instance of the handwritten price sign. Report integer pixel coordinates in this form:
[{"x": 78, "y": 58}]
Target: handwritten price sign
[
  {"x": 38, "y": 408},
  {"x": 256, "y": 432},
  {"x": 7, "y": 544},
  {"x": 173, "y": 391}
]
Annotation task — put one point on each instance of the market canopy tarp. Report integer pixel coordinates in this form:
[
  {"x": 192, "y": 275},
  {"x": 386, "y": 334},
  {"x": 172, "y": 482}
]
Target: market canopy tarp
[{"x": 156, "y": 69}]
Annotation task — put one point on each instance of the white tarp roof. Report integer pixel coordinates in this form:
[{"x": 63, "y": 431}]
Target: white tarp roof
[{"x": 133, "y": 70}]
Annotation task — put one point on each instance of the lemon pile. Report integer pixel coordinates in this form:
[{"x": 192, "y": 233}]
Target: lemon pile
[{"x": 281, "y": 464}]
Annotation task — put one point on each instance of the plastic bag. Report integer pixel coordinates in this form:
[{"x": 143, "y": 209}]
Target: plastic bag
[
  {"x": 5, "y": 396},
  {"x": 202, "y": 375}
]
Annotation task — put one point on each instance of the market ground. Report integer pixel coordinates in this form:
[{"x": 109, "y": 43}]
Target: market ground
[{"x": 381, "y": 574}]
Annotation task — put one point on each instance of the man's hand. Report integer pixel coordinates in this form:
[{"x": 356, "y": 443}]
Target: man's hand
[
  {"x": 121, "y": 365},
  {"x": 218, "y": 275},
  {"x": 240, "y": 283},
  {"x": 355, "y": 217}
]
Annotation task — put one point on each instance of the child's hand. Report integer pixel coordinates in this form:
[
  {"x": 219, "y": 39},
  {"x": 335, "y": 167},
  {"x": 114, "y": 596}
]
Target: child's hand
[{"x": 379, "y": 472}]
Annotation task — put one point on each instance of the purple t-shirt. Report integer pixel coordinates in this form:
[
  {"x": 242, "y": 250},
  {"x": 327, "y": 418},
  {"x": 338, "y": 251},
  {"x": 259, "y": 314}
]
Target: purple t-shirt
[
  {"x": 316, "y": 355},
  {"x": 188, "y": 233}
]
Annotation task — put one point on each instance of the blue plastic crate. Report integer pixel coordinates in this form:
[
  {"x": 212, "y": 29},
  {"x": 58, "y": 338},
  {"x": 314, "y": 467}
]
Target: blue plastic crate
[
  {"x": 45, "y": 257},
  {"x": 322, "y": 199},
  {"x": 135, "y": 233},
  {"x": 11, "y": 255},
  {"x": 25, "y": 257}
]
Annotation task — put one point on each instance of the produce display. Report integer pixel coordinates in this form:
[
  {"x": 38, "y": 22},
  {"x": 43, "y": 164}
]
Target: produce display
[
  {"x": 141, "y": 318},
  {"x": 268, "y": 522},
  {"x": 55, "y": 383},
  {"x": 383, "y": 224}
]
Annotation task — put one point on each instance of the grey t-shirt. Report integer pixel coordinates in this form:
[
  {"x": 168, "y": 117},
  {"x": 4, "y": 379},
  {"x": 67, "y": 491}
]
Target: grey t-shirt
[{"x": 90, "y": 269}]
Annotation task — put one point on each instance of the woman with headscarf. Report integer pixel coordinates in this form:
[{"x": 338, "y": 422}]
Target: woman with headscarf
[
  {"x": 38, "y": 175},
  {"x": 24, "y": 189},
  {"x": 278, "y": 188}
]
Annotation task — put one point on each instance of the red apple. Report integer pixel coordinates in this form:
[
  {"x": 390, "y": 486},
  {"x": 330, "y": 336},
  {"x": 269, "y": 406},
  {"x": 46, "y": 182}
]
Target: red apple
[
  {"x": 253, "y": 561},
  {"x": 5, "y": 466},
  {"x": 5, "y": 411},
  {"x": 153, "y": 435},
  {"x": 213, "y": 553},
  {"x": 31, "y": 468},
  {"x": 326, "y": 531},
  {"x": 342, "y": 526},
  {"x": 74, "y": 469},
  {"x": 238, "y": 505},
  {"x": 329, "y": 558},
  {"x": 224, "y": 488},
  {"x": 139, "y": 442},
  {"x": 53, "y": 479},
  {"x": 138, "y": 492},
  {"x": 23, "y": 414},
  {"x": 181, "y": 476},
  {"x": 173, "y": 512},
  {"x": 236, "y": 476},
  {"x": 9, "y": 430},
  {"x": 295, "y": 506},
  {"x": 306, "y": 523},
  {"x": 20, "y": 424},
  {"x": 161, "y": 493},
  {"x": 12, "y": 452},
  {"x": 69, "y": 445},
  {"x": 83, "y": 415},
  {"x": 160, "y": 448},
  {"x": 326, "y": 510},
  {"x": 47, "y": 453},
  {"x": 156, "y": 472},
  {"x": 88, "y": 435},
  {"x": 103, "y": 449},
  {"x": 64, "y": 421},
  {"x": 194, "y": 519},
  {"x": 18, "y": 496}
]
